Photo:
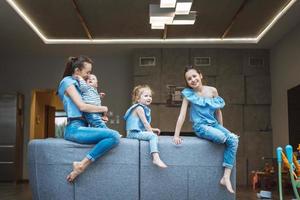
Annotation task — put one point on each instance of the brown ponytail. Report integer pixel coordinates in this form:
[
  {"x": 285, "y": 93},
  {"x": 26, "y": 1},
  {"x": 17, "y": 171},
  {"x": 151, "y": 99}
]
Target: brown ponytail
[{"x": 75, "y": 62}]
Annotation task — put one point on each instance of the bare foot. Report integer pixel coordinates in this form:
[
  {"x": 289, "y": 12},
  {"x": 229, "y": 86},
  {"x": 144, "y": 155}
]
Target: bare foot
[
  {"x": 159, "y": 163},
  {"x": 226, "y": 182},
  {"x": 77, "y": 169}
]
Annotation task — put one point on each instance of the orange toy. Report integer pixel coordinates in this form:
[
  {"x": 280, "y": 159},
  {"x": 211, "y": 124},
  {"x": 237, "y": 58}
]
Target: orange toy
[{"x": 296, "y": 164}]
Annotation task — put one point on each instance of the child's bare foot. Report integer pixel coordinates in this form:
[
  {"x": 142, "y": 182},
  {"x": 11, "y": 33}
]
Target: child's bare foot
[
  {"x": 226, "y": 182},
  {"x": 77, "y": 169},
  {"x": 159, "y": 163}
]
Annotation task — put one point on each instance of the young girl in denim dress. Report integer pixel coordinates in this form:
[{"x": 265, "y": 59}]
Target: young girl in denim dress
[
  {"x": 206, "y": 115},
  {"x": 138, "y": 119}
]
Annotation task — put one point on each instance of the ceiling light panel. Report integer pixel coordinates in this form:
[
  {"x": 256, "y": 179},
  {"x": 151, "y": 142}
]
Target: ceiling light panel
[
  {"x": 167, "y": 3},
  {"x": 160, "y": 15},
  {"x": 183, "y": 7},
  {"x": 185, "y": 19}
]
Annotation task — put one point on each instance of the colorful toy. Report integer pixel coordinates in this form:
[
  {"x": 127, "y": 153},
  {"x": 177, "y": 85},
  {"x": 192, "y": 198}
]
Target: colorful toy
[{"x": 294, "y": 169}]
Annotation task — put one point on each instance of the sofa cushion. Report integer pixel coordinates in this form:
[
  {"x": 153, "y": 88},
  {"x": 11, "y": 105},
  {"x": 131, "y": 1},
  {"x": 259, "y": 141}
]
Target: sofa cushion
[
  {"x": 194, "y": 171},
  {"x": 113, "y": 176}
]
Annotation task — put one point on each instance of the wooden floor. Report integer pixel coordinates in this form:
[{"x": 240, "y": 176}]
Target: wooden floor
[
  {"x": 12, "y": 191},
  {"x": 21, "y": 191}
]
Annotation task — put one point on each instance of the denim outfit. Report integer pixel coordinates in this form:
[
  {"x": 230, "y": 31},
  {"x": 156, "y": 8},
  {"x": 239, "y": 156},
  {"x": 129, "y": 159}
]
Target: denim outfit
[
  {"x": 205, "y": 125},
  {"x": 77, "y": 129},
  {"x": 136, "y": 129},
  {"x": 91, "y": 96}
]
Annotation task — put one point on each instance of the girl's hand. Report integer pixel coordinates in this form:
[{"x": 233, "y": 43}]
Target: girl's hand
[
  {"x": 156, "y": 130},
  {"x": 177, "y": 140}
]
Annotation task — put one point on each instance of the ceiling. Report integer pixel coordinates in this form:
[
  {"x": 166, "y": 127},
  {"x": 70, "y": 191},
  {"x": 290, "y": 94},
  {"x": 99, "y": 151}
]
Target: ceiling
[{"x": 129, "y": 19}]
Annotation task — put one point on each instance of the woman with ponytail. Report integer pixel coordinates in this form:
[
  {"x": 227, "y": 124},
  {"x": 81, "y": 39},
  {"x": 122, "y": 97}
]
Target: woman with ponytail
[{"x": 77, "y": 129}]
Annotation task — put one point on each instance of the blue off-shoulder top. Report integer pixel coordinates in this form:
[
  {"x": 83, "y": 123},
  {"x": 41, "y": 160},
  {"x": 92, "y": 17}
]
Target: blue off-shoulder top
[{"x": 202, "y": 109}]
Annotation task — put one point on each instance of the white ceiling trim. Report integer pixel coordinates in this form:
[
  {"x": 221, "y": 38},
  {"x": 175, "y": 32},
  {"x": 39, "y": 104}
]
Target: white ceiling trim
[{"x": 149, "y": 41}]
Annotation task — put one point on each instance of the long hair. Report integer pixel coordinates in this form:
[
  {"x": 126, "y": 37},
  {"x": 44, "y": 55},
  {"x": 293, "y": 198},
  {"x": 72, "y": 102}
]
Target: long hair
[{"x": 75, "y": 62}]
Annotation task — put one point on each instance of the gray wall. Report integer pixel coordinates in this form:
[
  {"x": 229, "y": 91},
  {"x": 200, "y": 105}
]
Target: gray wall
[
  {"x": 22, "y": 71},
  {"x": 285, "y": 74}
]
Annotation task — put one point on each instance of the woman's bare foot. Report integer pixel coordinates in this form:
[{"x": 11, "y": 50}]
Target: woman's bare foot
[
  {"x": 159, "y": 163},
  {"x": 226, "y": 182},
  {"x": 77, "y": 169}
]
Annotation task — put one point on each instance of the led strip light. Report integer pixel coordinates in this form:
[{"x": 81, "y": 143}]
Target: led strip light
[{"x": 149, "y": 41}]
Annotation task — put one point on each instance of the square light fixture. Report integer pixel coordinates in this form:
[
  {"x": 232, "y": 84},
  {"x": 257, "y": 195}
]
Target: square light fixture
[
  {"x": 183, "y": 7},
  {"x": 157, "y": 26},
  {"x": 167, "y": 3},
  {"x": 161, "y": 15},
  {"x": 185, "y": 19}
]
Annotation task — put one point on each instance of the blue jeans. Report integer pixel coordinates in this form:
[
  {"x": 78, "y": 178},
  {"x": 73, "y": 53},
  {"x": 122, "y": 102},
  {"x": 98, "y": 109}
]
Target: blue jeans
[
  {"x": 104, "y": 138},
  {"x": 147, "y": 136},
  {"x": 95, "y": 120},
  {"x": 220, "y": 135}
]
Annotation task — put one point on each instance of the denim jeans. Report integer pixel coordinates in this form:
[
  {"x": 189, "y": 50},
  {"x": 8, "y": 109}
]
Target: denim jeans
[
  {"x": 104, "y": 138},
  {"x": 95, "y": 120},
  {"x": 220, "y": 135},
  {"x": 147, "y": 136}
]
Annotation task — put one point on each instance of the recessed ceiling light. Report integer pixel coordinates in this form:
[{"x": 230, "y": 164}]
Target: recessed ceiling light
[
  {"x": 167, "y": 3},
  {"x": 160, "y": 15},
  {"x": 183, "y": 7},
  {"x": 185, "y": 19},
  {"x": 157, "y": 26}
]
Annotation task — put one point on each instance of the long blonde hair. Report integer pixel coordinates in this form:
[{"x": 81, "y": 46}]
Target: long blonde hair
[{"x": 137, "y": 92}]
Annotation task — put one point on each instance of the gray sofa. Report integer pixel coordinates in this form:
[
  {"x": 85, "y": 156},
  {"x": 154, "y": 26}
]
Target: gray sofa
[{"x": 127, "y": 173}]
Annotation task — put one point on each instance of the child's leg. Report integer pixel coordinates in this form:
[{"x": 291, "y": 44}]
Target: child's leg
[
  {"x": 219, "y": 134},
  {"x": 153, "y": 140},
  {"x": 146, "y": 136},
  {"x": 95, "y": 120},
  {"x": 230, "y": 148},
  {"x": 225, "y": 180}
]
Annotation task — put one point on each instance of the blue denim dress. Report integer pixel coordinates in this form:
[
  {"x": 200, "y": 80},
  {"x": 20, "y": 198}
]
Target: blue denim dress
[
  {"x": 136, "y": 129},
  {"x": 206, "y": 126}
]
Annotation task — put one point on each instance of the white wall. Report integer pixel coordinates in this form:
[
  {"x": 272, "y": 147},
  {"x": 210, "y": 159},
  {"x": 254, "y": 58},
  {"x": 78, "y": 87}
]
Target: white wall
[{"x": 285, "y": 74}]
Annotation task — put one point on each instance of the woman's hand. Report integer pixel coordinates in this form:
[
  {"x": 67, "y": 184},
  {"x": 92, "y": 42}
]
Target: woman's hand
[
  {"x": 177, "y": 140},
  {"x": 104, "y": 109},
  {"x": 156, "y": 130}
]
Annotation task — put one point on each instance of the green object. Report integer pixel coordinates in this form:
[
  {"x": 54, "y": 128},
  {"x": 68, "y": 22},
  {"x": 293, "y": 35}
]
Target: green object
[
  {"x": 279, "y": 161},
  {"x": 295, "y": 183}
]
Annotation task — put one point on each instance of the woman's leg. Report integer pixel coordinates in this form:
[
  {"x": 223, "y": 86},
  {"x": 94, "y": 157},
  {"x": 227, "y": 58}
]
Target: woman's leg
[
  {"x": 153, "y": 141},
  {"x": 105, "y": 139}
]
